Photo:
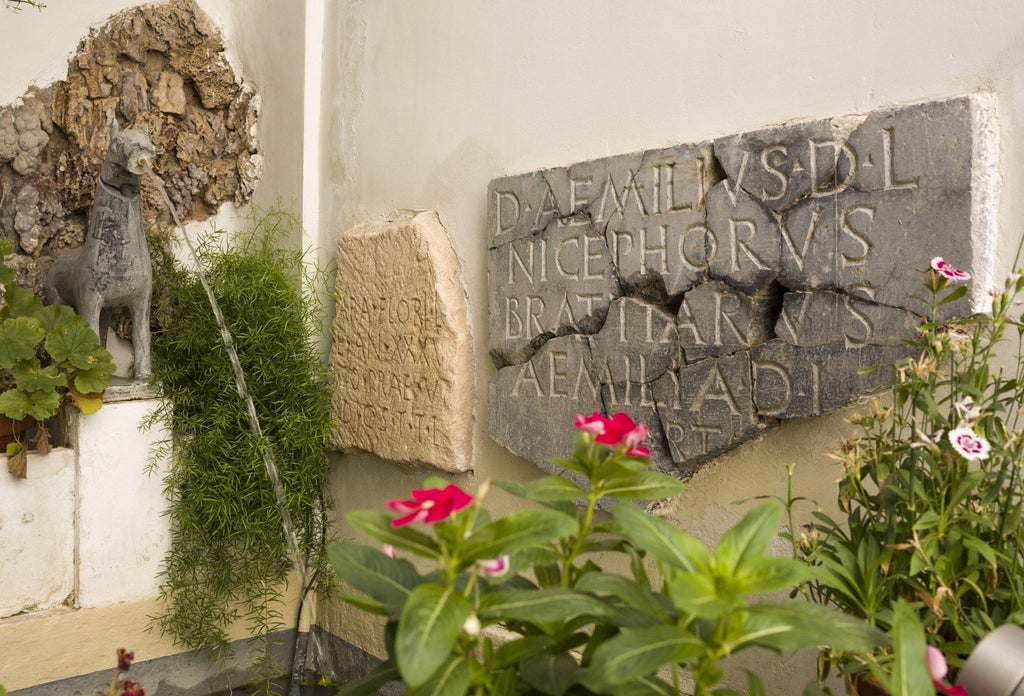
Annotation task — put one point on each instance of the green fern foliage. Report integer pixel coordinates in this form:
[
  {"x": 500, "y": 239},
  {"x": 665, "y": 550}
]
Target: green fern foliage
[{"x": 229, "y": 559}]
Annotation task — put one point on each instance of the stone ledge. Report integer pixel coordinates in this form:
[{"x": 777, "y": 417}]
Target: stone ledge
[{"x": 126, "y": 389}]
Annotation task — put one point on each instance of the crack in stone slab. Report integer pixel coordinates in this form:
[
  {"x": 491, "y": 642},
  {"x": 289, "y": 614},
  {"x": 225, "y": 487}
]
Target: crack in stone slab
[{"x": 774, "y": 264}]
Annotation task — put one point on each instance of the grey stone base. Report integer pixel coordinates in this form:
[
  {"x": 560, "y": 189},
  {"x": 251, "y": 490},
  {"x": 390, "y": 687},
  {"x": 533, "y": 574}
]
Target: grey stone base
[
  {"x": 195, "y": 674},
  {"x": 185, "y": 674},
  {"x": 342, "y": 662}
]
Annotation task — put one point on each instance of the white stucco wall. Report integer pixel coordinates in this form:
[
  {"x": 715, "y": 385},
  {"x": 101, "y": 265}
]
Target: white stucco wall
[{"x": 425, "y": 103}]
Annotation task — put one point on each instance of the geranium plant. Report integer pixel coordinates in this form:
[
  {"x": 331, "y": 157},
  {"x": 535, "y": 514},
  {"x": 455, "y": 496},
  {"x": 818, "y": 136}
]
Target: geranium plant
[
  {"x": 522, "y": 605},
  {"x": 931, "y": 493},
  {"x": 49, "y": 356}
]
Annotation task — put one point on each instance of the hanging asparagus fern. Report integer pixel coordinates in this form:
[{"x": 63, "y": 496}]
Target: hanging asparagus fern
[{"x": 229, "y": 555}]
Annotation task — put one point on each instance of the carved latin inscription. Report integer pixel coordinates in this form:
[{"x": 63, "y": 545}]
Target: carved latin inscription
[
  {"x": 401, "y": 362},
  {"x": 714, "y": 288}
]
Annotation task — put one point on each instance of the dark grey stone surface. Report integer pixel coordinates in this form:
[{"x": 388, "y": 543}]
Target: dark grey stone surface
[
  {"x": 711, "y": 289},
  {"x": 707, "y": 408},
  {"x": 817, "y": 318},
  {"x": 716, "y": 319},
  {"x": 637, "y": 343},
  {"x": 799, "y": 381}
]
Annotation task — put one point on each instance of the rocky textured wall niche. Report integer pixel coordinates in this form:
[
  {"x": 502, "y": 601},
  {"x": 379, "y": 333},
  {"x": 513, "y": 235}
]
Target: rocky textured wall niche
[
  {"x": 713, "y": 289},
  {"x": 162, "y": 67}
]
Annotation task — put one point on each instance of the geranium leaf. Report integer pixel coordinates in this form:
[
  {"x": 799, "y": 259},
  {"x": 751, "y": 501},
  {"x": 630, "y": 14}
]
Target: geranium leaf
[{"x": 18, "y": 340}]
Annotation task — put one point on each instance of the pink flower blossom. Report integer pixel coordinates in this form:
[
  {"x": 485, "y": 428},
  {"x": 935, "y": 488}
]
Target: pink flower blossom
[
  {"x": 494, "y": 567},
  {"x": 970, "y": 445},
  {"x": 388, "y": 550},
  {"x": 619, "y": 431},
  {"x": 937, "y": 669},
  {"x": 947, "y": 271},
  {"x": 937, "y": 666},
  {"x": 430, "y": 505},
  {"x": 967, "y": 410}
]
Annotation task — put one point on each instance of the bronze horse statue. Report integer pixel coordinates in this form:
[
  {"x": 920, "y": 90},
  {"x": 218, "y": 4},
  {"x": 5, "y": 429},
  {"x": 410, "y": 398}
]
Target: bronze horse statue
[{"x": 112, "y": 268}]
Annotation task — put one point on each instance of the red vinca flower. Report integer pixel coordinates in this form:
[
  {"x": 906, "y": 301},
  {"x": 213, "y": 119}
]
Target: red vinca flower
[
  {"x": 618, "y": 431},
  {"x": 430, "y": 505}
]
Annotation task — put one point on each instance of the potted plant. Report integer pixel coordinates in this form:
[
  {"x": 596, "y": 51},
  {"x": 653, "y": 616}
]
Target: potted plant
[
  {"x": 931, "y": 494},
  {"x": 49, "y": 356},
  {"x": 521, "y": 604}
]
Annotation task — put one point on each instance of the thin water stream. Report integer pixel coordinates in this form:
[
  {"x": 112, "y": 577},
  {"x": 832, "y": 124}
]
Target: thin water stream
[{"x": 254, "y": 424}]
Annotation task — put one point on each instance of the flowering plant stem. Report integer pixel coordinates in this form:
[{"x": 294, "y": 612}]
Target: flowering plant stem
[
  {"x": 930, "y": 497},
  {"x": 521, "y": 605}
]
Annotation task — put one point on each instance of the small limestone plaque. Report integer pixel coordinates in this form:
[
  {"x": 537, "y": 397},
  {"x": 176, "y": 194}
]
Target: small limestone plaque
[
  {"x": 712, "y": 289},
  {"x": 401, "y": 362}
]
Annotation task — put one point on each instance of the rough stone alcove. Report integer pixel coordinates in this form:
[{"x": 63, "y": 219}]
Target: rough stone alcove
[{"x": 161, "y": 67}]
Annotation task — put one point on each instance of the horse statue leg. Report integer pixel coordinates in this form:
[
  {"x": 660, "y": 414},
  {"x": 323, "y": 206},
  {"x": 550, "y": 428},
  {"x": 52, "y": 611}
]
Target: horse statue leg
[{"x": 142, "y": 367}]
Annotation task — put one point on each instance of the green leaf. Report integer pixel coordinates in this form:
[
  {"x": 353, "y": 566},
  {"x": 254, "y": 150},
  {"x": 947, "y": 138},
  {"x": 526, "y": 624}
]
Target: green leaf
[
  {"x": 76, "y": 344},
  {"x": 372, "y": 682},
  {"x": 954, "y": 295},
  {"x": 33, "y": 377},
  {"x": 640, "y": 652},
  {"x": 795, "y": 625},
  {"x": 550, "y": 674},
  {"x": 645, "y": 686},
  {"x": 515, "y": 651},
  {"x": 699, "y": 593},
  {"x": 516, "y": 531},
  {"x": 388, "y": 580},
  {"x": 770, "y": 574},
  {"x": 370, "y": 606},
  {"x": 16, "y": 404},
  {"x": 52, "y": 317},
  {"x": 20, "y": 302},
  {"x": 94, "y": 381},
  {"x": 18, "y": 340},
  {"x": 750, "y": 538},
  {"x": 621, "y": 588},
  {"x": 451, "y": 679},
  {"x": 648, "y": 485},
  {"x": 427, "y": 630},
  {"x": 910, "y": 675},
  {"x": 547, "y": 489},
  {"x": 377, "y": 526},
  {"x": 544, "y": 605},
  {"x": 660, "y": 539}
]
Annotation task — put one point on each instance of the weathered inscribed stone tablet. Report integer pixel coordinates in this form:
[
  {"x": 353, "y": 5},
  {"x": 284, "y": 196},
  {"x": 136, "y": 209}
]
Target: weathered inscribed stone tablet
[
  {"x": 401, "y": 362},
  {"x": 712, "y": 289}
]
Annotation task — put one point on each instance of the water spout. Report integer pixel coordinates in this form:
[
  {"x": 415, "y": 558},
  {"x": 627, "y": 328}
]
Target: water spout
[{"x": 242, "y": 389}]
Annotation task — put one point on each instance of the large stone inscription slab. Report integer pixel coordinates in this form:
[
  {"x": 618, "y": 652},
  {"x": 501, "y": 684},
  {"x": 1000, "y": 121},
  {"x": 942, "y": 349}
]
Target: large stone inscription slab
[
  {"x": 712, "y": 289},
  {"x": 402, "y": 362}
]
